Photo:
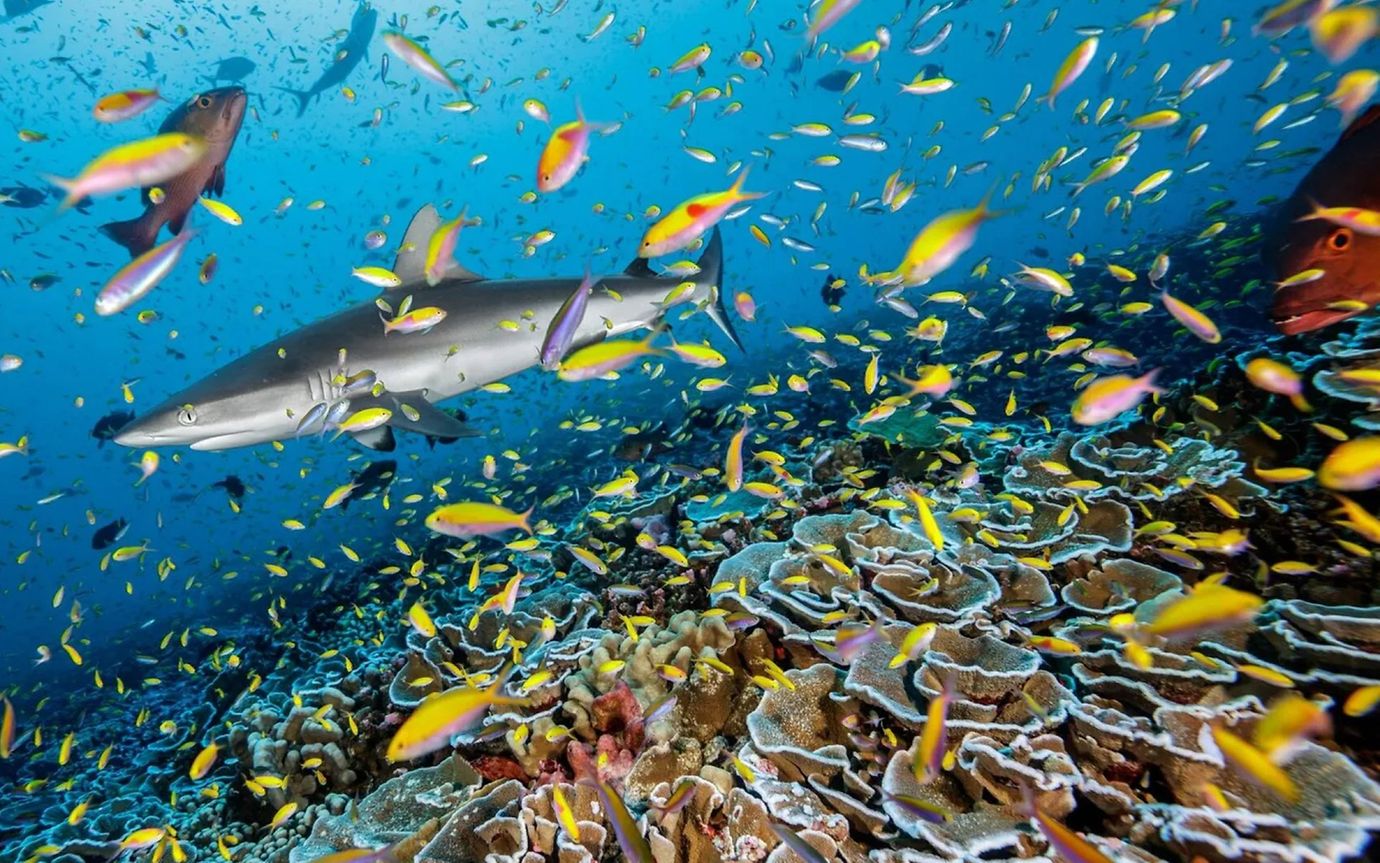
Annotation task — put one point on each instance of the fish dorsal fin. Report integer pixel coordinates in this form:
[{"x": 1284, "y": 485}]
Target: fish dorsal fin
[
  {"x": 410, "y": 264},
  {"x": 640, "y": 269},
  {"x": 1370, "y": 115}
]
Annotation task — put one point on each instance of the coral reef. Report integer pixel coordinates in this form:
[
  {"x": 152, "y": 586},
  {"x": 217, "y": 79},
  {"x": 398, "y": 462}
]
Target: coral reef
[{"x": 908, "y": 680}]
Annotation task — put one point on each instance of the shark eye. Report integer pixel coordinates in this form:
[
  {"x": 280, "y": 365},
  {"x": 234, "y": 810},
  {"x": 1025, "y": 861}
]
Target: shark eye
[
  {"x": 203, "y": 101},
  {"x": 186, "y": 416},
  {"x": 1340, "y": 239}
]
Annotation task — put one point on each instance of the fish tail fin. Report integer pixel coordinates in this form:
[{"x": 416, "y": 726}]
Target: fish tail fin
[
  {"x": 1149, "y": 378},
  {"x": 711, "y": 273},
  {"x": 65, "y": 185},
  {"x": 1027, "y": 804},
  {"x": 657, "y": 329},
  {"x": 736, "y": 190},
  {"x": 1313, "y": 209},
  {"x": 984, "y": 208},
  {"x": 496, "y": 695},
  {"x": 137, "y": 235},
  {"x": 303, "y": 98}
]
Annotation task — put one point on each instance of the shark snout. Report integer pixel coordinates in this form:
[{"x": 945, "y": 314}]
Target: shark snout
[{"x": 139, "y": 433}]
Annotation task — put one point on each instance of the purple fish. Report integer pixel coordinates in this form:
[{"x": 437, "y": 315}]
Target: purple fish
[
  {"x": 740, "y": 620},
  {"x": 630, "y": 838},
  {"x": 660, "y": 709},
  {"x": 851, "y": 638},
  {"x": 386, "y": 854},
  {"x": 682, "y": 795},
  {"x": 141, "y": 275},
  {"x": 803, "y": 849},
  {"x": 560, "y": 333},
  {"x": 922, "y": 809}
]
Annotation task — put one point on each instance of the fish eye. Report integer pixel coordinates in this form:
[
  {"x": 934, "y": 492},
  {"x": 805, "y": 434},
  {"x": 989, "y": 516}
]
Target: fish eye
[
  {"x": 203, "y": 101},
  {"x": 1340, "y": 239},
  {"x": 187, "y": 415}
]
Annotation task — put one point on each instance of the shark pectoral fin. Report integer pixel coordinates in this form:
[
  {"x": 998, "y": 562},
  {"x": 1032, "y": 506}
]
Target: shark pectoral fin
[
  {"x": 410, "y": 264},
  {"x": 412, "y": 412},
  {"x": 380, "y": 439}
]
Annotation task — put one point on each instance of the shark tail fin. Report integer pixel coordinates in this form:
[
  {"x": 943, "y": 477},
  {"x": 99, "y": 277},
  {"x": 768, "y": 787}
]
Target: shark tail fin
[
  {"x": 137, "y": 235},
  {"x": 711, "y": 273},
  {"x": 304, "y": 98}
]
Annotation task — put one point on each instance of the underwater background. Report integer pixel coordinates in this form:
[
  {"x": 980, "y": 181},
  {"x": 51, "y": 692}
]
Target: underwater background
[{"x": 280, "y": 635}]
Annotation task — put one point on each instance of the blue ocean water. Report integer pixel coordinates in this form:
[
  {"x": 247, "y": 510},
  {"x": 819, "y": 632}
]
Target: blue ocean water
[
  {"x": 368, "y": 159},
  {"x": 277, "y": 273}
]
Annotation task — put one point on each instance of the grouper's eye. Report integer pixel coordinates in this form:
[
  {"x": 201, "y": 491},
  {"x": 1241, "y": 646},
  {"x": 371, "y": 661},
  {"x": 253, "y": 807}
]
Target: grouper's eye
[
  {"x": 1340, "y": 240},
  {"x": 203, "y": 102},
  {"x": 186, "y": 415}
]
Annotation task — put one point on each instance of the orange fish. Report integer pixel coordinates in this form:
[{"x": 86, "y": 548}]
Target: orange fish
[
  {"x": 565, "y": 153},
  {"x": 688, "y": 221}
]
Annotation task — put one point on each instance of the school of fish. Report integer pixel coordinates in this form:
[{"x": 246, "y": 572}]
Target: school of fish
[{"x": 1046, "y": 532}]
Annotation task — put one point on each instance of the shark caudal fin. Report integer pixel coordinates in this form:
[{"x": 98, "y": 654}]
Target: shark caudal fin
[
  {"x": 711, "y": 264},
  {"x": 304, "y": 98},
  {"x": 712, "y": 274},
  {"x": 137, "y": 235}
]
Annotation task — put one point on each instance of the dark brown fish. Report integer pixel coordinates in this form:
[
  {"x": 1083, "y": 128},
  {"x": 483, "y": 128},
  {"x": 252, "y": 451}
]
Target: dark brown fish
[
  {"x": 643, "y": 444},
  {"x": 216, "y": 116},
  {"x": 1346, "y": 177}
]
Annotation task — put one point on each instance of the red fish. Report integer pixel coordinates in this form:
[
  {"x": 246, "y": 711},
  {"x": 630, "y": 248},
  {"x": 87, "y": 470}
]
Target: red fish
[
  {"x": 214, "y": 116},
  {"x": 1350, "y": 261}
]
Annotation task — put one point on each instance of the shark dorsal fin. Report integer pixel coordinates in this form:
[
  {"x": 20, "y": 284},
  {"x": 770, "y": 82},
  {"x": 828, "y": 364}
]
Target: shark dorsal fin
[
  {"x": 1370, "y": 116},
  {"x": 640, "y": 268},
  {"x": 410, "y": 264}
]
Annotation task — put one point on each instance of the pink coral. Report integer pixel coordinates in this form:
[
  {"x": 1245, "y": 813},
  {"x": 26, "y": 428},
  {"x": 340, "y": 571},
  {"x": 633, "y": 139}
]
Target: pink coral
[
  {"x": 617, "y": 712},
  {"x": 493, "y": 767},
  {"x": 551, "y": 773},
  {"x": 617, "y": 762}
]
